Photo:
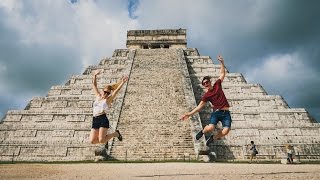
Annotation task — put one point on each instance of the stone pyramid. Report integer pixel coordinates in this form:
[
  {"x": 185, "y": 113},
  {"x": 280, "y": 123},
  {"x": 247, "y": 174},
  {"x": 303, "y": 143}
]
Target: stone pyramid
[{"x": 164, "y": 82}]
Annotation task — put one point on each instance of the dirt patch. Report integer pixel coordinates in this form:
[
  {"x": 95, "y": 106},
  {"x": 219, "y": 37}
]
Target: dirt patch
[{"x": 159, "y": 171}]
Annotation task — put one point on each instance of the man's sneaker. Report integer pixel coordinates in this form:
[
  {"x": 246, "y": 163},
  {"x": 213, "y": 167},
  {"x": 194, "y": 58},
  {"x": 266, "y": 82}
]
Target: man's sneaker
[
  {"x": 199, "y": 135},
  {"x": 120, "y": 136},
  {"x": 210, "y": 140}
]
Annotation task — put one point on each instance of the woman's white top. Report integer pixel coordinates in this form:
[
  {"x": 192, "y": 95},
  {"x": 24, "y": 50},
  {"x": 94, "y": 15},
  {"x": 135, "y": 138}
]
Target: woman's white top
[{"x": 100, "y": 106}]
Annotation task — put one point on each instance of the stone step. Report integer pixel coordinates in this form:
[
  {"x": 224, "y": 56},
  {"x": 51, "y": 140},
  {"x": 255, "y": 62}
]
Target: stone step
[
  {"x": 191, "y": 51},
  {"x": 268, "y": 140},
  {"x": 74, "y": 89},
  {"x": 47, "y": 115},
  {"x": 70, "y": 141},
  {"x": 145, "y": 81},
  {"x": 197, "y": 57},
  {"x": 166, "y": 157},
  {"x": 122, "y": 52},
  {"x": 63, "y": 101},
  {"x": 46, "y": 153},
  {"x": 67, "y": 102},
  {"x": 87, "y": 79},
  {"x": 85, "y": 111},
  {"x": 230, "y": 78}
]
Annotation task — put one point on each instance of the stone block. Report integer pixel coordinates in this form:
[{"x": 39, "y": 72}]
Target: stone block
[
  {"x": 284, "y": 161},
  {"x": 35, "y": 103},
  {"x": 13, "y": 118},
  {"x": 81, "y": 151},
  {"x": 37, "y": 118},
  {"x": 63, "y": 133},
  {"x": 9, "y": 150},
  {"x": 46, "y": 151},
  {"x": 269, "y": 116},
  {"x": 310, "y": 131},
  {"x": 25, "y": 133},
  {"x": 289, "y": 132},
  {"x": 251, "y": 117},
  {"x": 237, "y": 117},
  {"x": 250, "y": 103},
  {"x": 265, "y": 133},
  {"x": 75, "y": 118},
  {"x": 82, "y": 104},
  {"x": 245, "y": 132},
  {"x": 54, "y": 92}
]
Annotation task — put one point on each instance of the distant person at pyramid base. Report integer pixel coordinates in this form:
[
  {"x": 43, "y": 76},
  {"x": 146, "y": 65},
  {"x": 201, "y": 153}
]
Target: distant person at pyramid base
[
  {"x": 220, "y": 106},
  {"x": 101, "y": 106}
]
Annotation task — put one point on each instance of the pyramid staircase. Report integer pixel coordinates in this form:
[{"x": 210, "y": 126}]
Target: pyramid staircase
[{"x": 152, "y": 107}]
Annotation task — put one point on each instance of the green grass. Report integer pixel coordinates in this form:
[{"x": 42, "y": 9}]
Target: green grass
[{"x": 162, "y": 161}]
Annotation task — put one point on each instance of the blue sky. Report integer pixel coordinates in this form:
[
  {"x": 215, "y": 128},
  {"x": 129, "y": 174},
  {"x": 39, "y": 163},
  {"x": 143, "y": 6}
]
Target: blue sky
[{"x": 273, "y": 43}]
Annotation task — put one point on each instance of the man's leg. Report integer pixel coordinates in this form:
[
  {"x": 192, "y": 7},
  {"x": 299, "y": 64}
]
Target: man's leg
[
  {"x": 222, "y": 133},
  {"x": 225, "y": 118},
  {"x": 226, "y": 124},
  {"x": 206, "y": 129},
  {"x": 210, "y": 127}
]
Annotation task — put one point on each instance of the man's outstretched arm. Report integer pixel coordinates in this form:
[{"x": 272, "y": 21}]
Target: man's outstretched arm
[
  {"x": 222, "y": 69},
  {"x": 197, "y": 109}
]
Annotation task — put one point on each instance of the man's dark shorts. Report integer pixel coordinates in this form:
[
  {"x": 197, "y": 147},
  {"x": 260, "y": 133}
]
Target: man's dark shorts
[
  {"x": 223, "y": 116},
  {"x": 100, "y": 121}
]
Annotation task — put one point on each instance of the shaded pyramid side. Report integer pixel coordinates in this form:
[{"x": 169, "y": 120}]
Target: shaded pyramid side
[{"x": 265, "y": 119}]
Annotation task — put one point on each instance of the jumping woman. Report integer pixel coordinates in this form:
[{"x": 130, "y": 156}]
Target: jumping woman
[{"x": 101, "y": 106}]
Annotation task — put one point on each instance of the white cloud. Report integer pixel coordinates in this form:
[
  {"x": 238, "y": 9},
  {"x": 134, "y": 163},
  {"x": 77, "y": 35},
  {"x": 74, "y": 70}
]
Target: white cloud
[
  {"x": 84, "y": 26},
  {"x": 47, "y": 41},
  {"x": 40, "y": 34},
  {"x": 281, "y": 72}
]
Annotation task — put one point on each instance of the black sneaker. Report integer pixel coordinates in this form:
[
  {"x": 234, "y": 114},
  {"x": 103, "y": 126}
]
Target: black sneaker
[
  {"x": 120, "y": 136},
  {"x": 210, "y": 140},
  {"x": 199, "y": 135},
  {"x": 106, "y": 146}
]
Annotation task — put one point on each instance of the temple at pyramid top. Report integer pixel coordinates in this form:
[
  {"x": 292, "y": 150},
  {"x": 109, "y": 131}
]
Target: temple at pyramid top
[{"x": 153, "y": 39}]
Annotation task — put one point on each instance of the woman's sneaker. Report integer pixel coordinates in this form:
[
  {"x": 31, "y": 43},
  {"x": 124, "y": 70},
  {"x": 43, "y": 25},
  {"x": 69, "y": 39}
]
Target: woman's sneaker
[{"x": 120, "y": 136}]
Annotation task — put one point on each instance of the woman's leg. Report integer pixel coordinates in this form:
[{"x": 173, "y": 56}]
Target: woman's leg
[
  {"x": 94, "y": 136},
  {"x": 104, "y": 137},
  {"x": 109, "y": 136}
]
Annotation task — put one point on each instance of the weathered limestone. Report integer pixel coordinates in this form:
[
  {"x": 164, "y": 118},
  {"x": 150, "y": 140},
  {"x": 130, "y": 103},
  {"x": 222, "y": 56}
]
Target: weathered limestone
[
  {"x": 149, "y": 119},
  {"x": 151, "y": 39},
  {"x": 164, "y": 82}
]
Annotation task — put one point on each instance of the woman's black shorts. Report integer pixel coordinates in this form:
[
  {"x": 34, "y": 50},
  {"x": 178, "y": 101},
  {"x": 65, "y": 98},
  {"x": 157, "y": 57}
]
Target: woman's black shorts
[{"x": 100, "y": 121}]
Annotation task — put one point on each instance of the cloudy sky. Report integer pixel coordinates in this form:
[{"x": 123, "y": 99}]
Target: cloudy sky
[{"x": 275, "y": 43}]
